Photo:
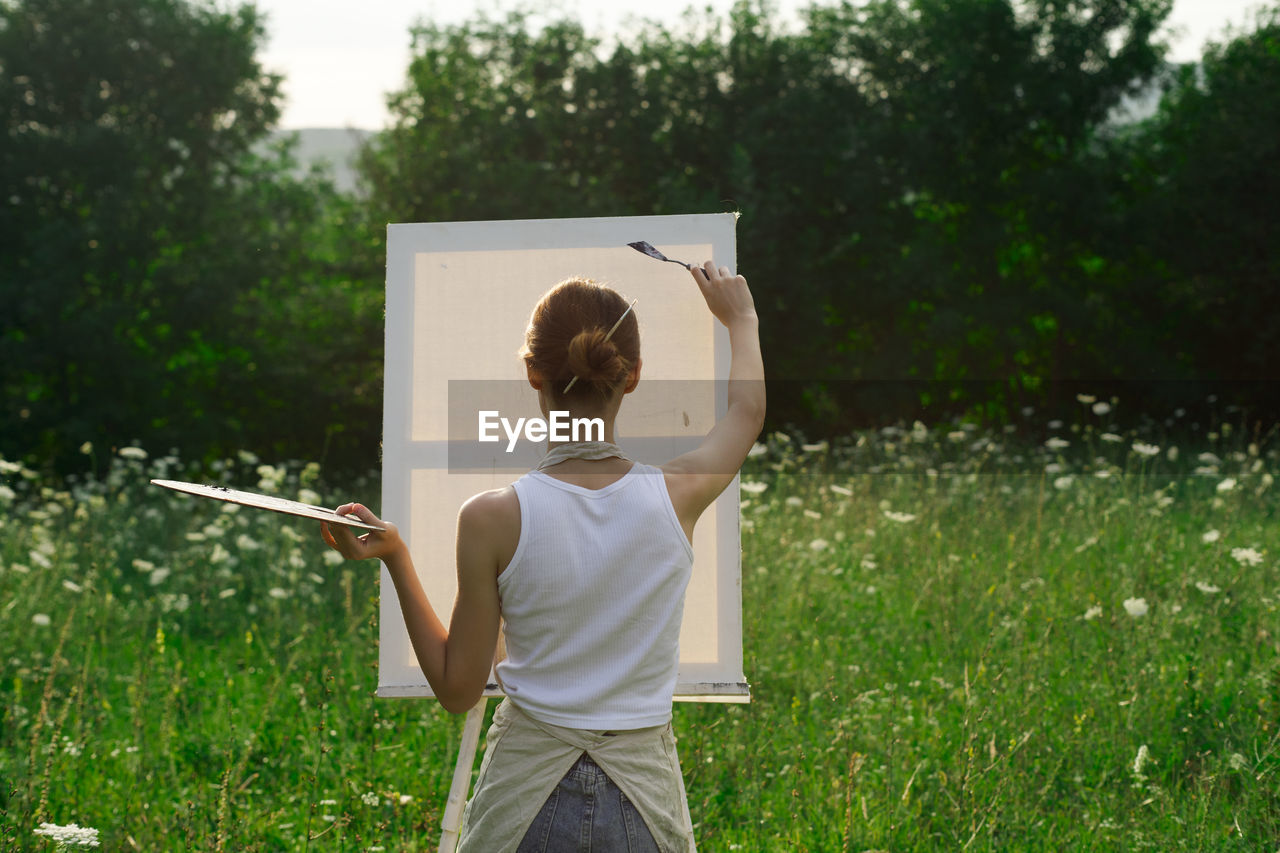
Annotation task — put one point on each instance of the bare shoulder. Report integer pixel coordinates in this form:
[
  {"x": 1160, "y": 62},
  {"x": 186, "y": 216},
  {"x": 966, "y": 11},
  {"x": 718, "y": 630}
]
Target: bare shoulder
[
  {"x": 489, "y": 524},
  {"x": 491, "y": 510}
]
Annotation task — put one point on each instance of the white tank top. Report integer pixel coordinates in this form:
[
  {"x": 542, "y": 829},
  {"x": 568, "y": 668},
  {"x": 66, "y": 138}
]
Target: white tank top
[{"x": 593, "y": 599}]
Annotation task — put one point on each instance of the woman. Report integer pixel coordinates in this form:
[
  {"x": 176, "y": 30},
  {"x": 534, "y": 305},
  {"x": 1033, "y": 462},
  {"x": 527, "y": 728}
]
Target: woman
[{"x": 585, "y": 560}]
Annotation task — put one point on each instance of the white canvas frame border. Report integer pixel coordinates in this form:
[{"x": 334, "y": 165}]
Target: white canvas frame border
[{"x": 718, "y": 682}]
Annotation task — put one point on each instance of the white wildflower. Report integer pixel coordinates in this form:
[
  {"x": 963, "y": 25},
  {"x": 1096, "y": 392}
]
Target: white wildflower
[
  {"x": 72, "y": 586},
  {"x": 818, "y": 545},
  {"x": 841, "y": 490},
  {"x": 405, "y": 799},
  {"x": 1210, "y": 536},
  {"x": 1103, "y": 474},
  {"x": 1101, "y": 407},
  {"x": 1246, "y": 556},
  {"x": 369, "y": 798},
  {"x": 7, "y": 495},
  {"x": 1207, "y": 588},
  {"x": 157, "y": 577},
  {"x": 333, "y": 558},
  {"x": 245, "y": 542},
  {"x": 1087, "y": 399},
  {"x": 1141, "y": 760},
  {"x": 41, "y": 619},
  {"x": 753, "y": 487},
  {"x": 71, "y": 835},
  {"x": 1056, "y": 443},
  {"x": 1227, "y": 484},
  {"x": 179, "y": 602},
  {"x": 1207, "y": 458},
  {"x": 819, "y": 447},
  {"x": 794, "y": 501},
  {"x": 227, "y": 593},
  {"x": 757, "y": 449},
  {"x": 1093, "y": 612},
  {"x": 277, "y": 592},
  {"x": 1111, "y": 438},
  {"x": 307, "y": 496},
  {"x": 1145, "y": 449},
  {"x": 1171, "y": 454},
  {"x": 1064, "y": 482},
  {"x": 1237, "y": 762},
  {"x": 132, "y": 453},
  {"x": 1135, "y": 607},
  {"x": 40, "y": 560},
  {"x": 900, "y": 517}
]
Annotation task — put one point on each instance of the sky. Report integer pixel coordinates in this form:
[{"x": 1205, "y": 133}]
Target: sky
[{"x": 339, "y": 63}]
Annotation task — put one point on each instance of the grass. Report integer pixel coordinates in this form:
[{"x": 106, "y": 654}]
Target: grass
[{"x": 937, "y": 627}]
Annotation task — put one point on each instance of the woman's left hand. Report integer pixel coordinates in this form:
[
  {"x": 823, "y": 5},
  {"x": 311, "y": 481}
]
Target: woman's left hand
[{"x": 375, "y": 545}]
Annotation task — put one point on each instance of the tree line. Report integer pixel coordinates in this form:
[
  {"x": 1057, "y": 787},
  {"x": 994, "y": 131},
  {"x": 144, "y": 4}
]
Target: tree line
[{"x": 944, "y": 209}]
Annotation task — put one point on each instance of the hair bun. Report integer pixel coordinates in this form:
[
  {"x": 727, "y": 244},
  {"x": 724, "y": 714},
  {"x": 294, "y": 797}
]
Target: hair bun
[{"x": 596, "y": 360}]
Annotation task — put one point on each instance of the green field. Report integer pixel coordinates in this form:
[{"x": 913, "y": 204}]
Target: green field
[{"x": 957, "y": 639}]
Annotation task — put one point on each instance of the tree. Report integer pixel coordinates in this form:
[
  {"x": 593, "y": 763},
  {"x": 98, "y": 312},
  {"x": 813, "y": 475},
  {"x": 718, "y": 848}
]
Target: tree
[
  {"x": 917, "y": 180},
  {"x": 1202, "y": 192},
  {"x": 144, "y": 247},
  {"x": 984, "y": 119}
]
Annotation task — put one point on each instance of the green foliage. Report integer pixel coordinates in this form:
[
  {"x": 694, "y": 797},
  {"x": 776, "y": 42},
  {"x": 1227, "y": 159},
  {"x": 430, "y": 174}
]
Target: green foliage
[
  {"x": 1202, "y": 191},
  {"x": 160, "y": 282},
  {"x": 917, "y": 180},
  {"x": 940, "y": 211},
  {"x": 937, "y": 629}
]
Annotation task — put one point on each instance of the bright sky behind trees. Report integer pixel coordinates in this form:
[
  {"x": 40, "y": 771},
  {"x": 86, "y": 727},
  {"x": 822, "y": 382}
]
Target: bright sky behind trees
[{"x": 339, "y": 63}]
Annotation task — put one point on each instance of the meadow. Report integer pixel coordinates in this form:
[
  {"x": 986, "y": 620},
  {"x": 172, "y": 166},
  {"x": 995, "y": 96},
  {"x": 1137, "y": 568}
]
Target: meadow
[{"x": 958, "y": 638}]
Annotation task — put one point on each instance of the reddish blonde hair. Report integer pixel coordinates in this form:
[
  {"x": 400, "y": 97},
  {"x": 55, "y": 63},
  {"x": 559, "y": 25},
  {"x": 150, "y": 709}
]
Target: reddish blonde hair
[{"x": 566, "y": 338}]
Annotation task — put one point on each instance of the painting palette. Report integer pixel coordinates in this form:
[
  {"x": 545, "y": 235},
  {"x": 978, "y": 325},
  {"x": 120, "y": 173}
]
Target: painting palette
[{"x": 271, "y": 502}]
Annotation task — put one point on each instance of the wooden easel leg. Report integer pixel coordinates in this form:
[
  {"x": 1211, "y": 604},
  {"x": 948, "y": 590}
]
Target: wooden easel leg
[{"x": 461, "y": 786}]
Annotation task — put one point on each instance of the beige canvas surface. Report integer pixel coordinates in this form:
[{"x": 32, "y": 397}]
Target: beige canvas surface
[{"x": 459, "y": 296}]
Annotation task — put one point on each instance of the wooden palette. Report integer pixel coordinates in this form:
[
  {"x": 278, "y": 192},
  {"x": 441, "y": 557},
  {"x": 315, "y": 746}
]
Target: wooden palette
[{"x": 270, "y": 502}]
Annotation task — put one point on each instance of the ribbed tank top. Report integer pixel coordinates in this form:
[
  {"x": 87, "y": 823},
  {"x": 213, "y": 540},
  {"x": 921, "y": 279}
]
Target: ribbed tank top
[{"x": 593, "y": 599}]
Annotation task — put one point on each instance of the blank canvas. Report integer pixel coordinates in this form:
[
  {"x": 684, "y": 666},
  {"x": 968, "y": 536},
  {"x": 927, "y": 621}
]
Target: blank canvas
[{"x": 459, "y": 297}]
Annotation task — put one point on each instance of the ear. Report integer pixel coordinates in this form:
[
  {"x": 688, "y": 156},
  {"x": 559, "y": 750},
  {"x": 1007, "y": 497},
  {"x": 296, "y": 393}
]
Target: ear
[
  {"x": 634, "y": 378},
  {"x": 535, "y": 379}
]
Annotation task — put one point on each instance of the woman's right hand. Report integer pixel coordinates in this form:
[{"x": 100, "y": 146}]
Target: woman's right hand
[
  {"x": 375, "y": 545},
  {"x": 727, "y": 294}
]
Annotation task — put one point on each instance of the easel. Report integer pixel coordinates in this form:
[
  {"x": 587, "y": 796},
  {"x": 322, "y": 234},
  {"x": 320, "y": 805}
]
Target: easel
[
  {"x": 438, "y": 272},
  {"x": 461, "y": 785}
]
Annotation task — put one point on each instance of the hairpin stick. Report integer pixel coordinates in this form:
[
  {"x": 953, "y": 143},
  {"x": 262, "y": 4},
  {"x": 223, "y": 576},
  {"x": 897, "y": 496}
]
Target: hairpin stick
[{"x": 608, "y": 335}]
